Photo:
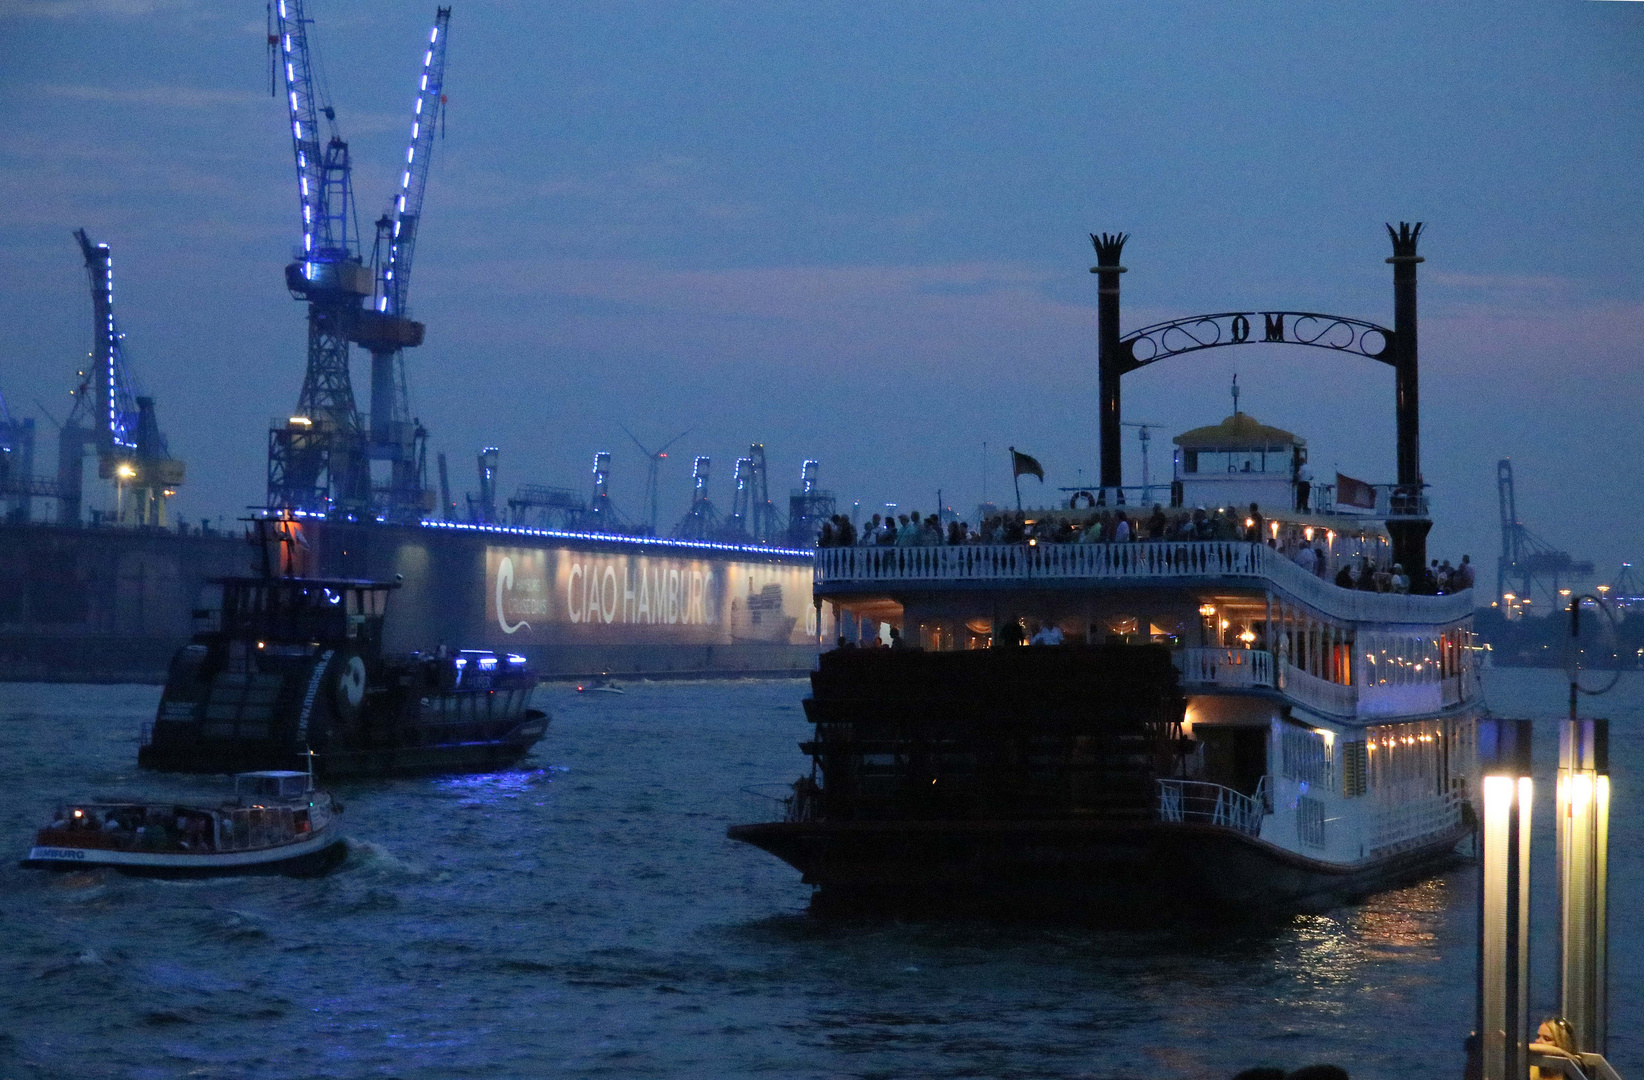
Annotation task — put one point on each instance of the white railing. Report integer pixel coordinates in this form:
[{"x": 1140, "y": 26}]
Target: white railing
[
  {"x": 1225, "y": 667},
  {"x": 854, "y": 568},
  {"x": 1203, "y": 802},
  {"x": 1411, "y": 821},
  {"x": 1317, "y": 693}
]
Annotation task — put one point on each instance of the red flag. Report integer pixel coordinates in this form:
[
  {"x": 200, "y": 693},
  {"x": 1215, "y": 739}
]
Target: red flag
[{"x": 1351, "y": 492}]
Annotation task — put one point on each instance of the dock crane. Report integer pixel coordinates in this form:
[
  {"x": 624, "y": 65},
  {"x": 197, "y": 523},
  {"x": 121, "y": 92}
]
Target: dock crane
[
  {"x": 319, "y": 460},
  {"x": 1528, "y": 558},
  {"x": 109, "y": 415},
  {"x": 386, "y": 330}
]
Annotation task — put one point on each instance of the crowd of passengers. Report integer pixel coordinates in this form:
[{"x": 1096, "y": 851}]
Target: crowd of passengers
[
  {"x": 1117, "y": 527},
  {"x": 139, "y": 828}
]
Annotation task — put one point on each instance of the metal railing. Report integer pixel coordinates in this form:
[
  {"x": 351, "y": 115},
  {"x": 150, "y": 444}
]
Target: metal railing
[
  {"x": 1413, "y": 820},
  {"x": 1317, "y": 693},
  {"x": 781, "y": 802},
  {"x": 1184, "y": 801},
  {"x": 1224, "y": 561},
  {"x": 1225, "y": 667}
]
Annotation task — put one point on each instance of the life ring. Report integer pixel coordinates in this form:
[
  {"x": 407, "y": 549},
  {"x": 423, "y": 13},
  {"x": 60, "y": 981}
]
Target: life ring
[{"x": 1090, "y": 500}]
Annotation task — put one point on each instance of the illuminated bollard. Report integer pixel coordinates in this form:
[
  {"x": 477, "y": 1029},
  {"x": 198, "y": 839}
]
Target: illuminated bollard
[
  {"x": 1583, "y": 851},
  {"x": 1504, "y": 898}
]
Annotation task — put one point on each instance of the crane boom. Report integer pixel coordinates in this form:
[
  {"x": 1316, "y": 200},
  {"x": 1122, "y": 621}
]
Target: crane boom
[
  {"x": 396, "y": 272},
  {"x": 114, "y": 414},
  {"x": 323, "y": 169}
]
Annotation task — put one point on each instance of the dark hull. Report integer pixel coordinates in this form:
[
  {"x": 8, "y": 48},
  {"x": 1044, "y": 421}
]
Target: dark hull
[
  {"x": 405, "y": 759},
  {"x": 1076, "y": 868},
  {"x": 309, "y": 864}
]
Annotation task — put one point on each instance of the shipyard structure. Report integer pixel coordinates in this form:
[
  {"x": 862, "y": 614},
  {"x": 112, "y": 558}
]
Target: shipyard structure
[
  {"x": 561, "y": 576},
  {"x": 112, "y": 605}
]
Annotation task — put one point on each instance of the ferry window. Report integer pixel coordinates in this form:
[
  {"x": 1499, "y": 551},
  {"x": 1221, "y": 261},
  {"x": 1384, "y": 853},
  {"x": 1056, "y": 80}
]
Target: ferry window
[{"x": 1305, "y": 756}]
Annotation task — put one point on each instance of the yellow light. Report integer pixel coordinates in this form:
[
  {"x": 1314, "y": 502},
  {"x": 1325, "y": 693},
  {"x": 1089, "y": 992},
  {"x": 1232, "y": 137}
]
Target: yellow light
[
  {"x": 1603, "y": 589},
  {"x": 1225, "y": 624},
  {"x": 301, "y": 421},
  {"x": 126, "y": 471},
  {"x": 1248, "y": 522},
  {"x": 79, "y": 813},
  {"x": 1207, "y": 610},
  {"x": 1275, "y": 530},
  {"x": 259, "y": 644},
  {"x": 1308, "y": 532},
  {"x": 1564, "y": 592},
  {"x": 1581, "y": 790},
  {"x": 1248, "y": 636}
]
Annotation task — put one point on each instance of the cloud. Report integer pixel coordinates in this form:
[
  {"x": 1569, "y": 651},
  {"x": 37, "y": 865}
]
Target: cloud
[
  {"x": 176, "y": 97},
  {"x": 75, "y": 9}
]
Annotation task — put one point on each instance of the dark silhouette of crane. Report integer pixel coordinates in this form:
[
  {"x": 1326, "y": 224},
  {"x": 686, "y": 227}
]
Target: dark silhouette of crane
[
  {"x": 319, "y": 460},
  {"x": 654, "y": 460},
  {"x": 1526, "y": 558}
]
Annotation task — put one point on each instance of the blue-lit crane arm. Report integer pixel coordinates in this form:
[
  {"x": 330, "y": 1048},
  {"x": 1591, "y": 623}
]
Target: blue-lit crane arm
[
  {"x": 115, "y": 413},
  {"x": 396, "y": 270},
  {"x": 324, "y": 226}
]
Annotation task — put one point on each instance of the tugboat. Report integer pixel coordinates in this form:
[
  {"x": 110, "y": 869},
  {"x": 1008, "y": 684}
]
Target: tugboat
[
  {"x": 289, "y": 664},
  {"x": 1241, "y": 703},
  {"x": 276, "y": 824}
]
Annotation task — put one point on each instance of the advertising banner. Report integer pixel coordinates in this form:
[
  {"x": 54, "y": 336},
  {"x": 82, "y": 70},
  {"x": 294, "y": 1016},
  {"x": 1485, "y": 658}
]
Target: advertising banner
[{"x": 536, "y": 594}]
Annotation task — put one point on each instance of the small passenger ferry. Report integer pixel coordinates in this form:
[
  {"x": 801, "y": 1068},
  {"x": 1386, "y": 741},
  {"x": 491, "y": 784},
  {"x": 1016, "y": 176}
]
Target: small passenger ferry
[
  {"x": 276, "y": 823},
  {"x": 1241, "y": 697}
]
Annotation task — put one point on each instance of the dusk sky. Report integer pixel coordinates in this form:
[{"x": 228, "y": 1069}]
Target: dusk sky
[{"x": 858, "y": 233}]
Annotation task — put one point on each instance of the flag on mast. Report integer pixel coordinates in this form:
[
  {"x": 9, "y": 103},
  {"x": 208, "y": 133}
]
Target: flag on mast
[
  {"x": 1025, "y": 465},
  {"x": 1021, "y": 464}
]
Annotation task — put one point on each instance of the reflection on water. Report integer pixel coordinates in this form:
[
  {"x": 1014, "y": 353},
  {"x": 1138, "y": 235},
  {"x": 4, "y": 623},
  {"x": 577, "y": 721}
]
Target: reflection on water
[
  {"x": 482, "y": 789},
  {"x": 584, "y": 915}
]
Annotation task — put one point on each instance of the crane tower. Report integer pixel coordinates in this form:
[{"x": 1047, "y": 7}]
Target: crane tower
[{"x": 319, "y": 459}]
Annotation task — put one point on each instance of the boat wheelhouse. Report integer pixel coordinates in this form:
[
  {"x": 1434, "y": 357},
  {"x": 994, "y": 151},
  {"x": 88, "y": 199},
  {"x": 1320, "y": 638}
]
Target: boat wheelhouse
[
  {"x": 287, "y": 663},
  {"x": 1234, "y": 703}
]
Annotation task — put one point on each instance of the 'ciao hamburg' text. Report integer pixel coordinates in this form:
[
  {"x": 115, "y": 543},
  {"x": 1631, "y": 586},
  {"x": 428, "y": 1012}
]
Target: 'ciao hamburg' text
[{"x": 643, "y": 594}]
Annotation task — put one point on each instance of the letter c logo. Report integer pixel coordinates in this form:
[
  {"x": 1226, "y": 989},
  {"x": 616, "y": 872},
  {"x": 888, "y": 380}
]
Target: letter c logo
[{"x": 505, "y": 583}]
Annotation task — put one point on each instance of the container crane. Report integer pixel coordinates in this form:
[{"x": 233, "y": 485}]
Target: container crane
[
  {"x": 1528, "y": 558},
  {"x": 386, "y": 330},
  {"x": 120, "y": 424},
  {"x": 702, "y": 520},
  {"x": 317, "y": 460}
]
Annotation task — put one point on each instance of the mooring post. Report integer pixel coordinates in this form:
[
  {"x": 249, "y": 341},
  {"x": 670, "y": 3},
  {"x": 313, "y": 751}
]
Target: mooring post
[
  {"x": 1109, "y": 362},
  {"x": 1504, "y": 898},
  {"x": 1407, "y": 513}
]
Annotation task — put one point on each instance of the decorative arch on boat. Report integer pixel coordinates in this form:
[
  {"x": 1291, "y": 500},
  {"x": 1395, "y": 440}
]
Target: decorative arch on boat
[
  {"x": 1178, "y": 336},
  {"x": 1119, "y": 354}
]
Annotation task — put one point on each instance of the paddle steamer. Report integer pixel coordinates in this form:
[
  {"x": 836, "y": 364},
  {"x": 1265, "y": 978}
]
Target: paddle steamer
[{"x": 1223, "y": 723}]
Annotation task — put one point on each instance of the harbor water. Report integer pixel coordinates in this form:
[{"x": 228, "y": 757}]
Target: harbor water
[{"x": 584, "y": 915}]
